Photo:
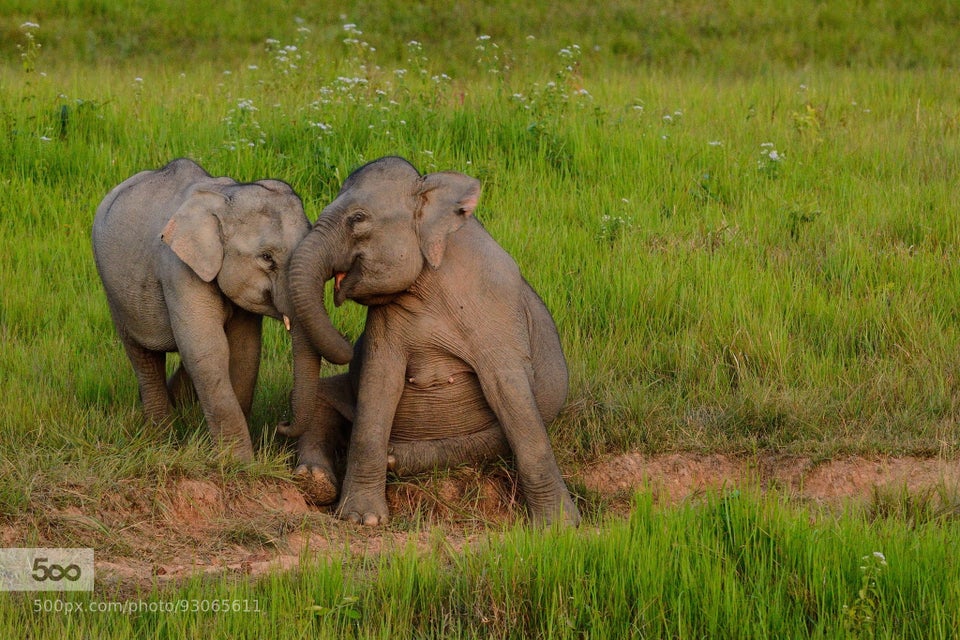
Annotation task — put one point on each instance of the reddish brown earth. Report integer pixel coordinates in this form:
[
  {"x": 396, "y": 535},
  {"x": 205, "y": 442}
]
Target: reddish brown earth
[{"x": 191, "y": 526}]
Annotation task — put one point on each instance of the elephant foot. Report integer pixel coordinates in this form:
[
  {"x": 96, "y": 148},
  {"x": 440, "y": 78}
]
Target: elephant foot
[
  {"x": 564, "y": 513},
  {"x": 370, "y": 512},
  {"x": 316, "y": 464},
  {"x": 239, "y": 449},
  {"x": 318, "y": 484},
  {"x": 242, "y": 453}
]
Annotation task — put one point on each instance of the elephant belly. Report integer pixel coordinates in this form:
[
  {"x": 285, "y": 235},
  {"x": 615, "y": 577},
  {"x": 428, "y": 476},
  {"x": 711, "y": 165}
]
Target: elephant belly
[
  {"x": 441, "y": 406},
  {"x": 143, "y": 319}
]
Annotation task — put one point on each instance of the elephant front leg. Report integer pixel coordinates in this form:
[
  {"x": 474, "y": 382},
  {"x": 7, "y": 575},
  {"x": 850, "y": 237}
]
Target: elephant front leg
[
  {"x": 205, "y": 354},
  {"x": 244, "y": 337},
  {"x": 363, "y": 496}
]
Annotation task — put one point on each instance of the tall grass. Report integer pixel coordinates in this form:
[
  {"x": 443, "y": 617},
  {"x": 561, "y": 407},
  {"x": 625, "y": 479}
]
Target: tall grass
[{"x": 745, "y": 38}]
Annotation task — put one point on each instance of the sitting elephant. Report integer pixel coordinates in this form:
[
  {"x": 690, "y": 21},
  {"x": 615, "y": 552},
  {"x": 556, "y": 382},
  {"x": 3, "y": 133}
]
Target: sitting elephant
[
  {"x": 191, "y": 263},
  {"x": 459, "y": 360}
]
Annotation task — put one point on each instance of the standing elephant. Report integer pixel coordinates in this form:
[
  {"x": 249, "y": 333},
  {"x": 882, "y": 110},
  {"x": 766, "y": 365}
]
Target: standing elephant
[
  {"x": 459, "y": 360},
  {"x": 191, "y": 263}
]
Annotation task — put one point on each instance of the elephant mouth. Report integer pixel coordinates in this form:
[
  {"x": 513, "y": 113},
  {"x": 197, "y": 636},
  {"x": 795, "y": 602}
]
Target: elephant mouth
[
  {"x": 269, "y": 306},
  {"x": 349, "y": 285},
  {"x": 339, "y": 294}
]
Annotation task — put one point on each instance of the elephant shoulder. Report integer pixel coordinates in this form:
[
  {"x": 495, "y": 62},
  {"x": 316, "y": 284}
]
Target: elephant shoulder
[{"x": 480, "y": 253}]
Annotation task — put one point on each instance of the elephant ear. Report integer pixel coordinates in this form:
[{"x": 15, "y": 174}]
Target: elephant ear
[
  {"x": 447, "y": 199},
  {"x": 193, "y": 233}
]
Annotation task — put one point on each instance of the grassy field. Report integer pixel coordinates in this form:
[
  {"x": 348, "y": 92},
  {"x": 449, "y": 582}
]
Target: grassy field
[{"x": 742, "y": 215}]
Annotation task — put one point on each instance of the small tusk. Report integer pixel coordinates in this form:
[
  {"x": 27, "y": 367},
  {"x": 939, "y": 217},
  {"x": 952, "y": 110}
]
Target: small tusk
[{"x": 286, "y": 322}]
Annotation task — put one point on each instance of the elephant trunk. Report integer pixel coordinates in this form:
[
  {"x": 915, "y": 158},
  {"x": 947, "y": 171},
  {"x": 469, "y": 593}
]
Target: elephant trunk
[
  {"x": 306, "y": 378},
  {"x": 310, "y": 267}
]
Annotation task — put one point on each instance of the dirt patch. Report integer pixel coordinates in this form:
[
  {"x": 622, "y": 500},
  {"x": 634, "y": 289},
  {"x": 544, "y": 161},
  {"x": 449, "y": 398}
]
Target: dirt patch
[
  {"x": 191, "y": 526},
  {"x": 674, "y": 477}
]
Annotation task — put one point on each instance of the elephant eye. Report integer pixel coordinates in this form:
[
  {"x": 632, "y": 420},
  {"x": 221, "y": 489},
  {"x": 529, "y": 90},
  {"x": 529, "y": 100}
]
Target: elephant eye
[
  {"x": 268, "y": 259},
  {"x": 356, "y": 217}
]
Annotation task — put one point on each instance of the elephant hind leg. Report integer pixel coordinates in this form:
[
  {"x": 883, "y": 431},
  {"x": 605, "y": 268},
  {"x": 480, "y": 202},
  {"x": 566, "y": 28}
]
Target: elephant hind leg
[
  {"x": 180, "y": 387},
  {"x": 150, "y": 368},
  {"x": 417, "y": 456}
]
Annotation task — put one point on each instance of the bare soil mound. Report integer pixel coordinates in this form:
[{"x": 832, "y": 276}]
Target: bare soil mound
[
  {"x": 191, "y": 526},
  {"x": 674, "y": 477}
]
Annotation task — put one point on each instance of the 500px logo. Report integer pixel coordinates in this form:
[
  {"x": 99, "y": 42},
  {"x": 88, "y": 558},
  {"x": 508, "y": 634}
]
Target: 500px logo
[
  {"x": 55, "y": 572},
  {"x": 46, "y": 569}
]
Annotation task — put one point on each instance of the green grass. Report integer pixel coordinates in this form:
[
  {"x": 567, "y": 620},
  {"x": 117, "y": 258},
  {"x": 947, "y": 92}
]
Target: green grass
[
  {"x": 742, "y": 215},
  {"x": 733, "y": 565}
]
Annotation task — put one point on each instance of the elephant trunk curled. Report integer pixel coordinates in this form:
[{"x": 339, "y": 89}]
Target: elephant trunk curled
[{"x": 310, "y": 267}]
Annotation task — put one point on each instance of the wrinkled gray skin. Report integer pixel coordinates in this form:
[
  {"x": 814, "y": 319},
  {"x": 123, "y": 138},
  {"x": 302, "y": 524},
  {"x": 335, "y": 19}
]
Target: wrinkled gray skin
[
  {"x": 191, "y": 263},
  {"x": 459, "y": 360}
]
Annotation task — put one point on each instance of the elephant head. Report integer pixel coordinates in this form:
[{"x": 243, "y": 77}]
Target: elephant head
[
  {"x": 387, "y": 224},
  {"x": 243, "y": 236}
]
